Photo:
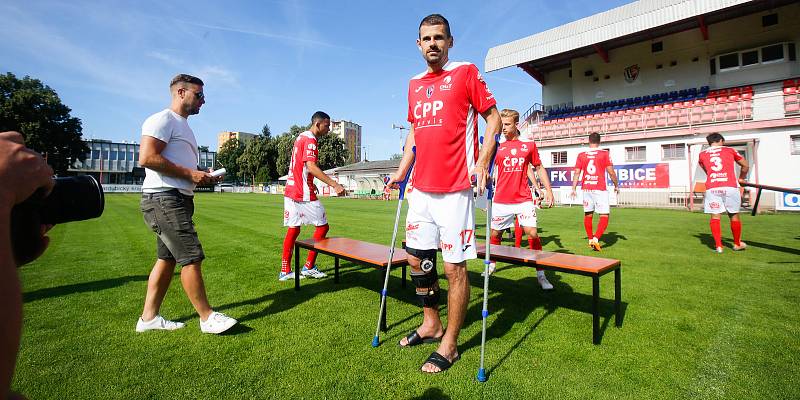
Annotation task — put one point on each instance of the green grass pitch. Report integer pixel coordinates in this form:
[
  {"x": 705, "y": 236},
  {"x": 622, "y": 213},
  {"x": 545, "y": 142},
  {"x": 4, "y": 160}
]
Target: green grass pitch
[{"x": 697, "y": 325}]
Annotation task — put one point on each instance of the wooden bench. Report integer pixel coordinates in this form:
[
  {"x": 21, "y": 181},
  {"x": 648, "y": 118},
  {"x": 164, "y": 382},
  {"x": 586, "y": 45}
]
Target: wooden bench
[
  {"x": 364, "y": 253},
  {"x": 594, "y": 267}
]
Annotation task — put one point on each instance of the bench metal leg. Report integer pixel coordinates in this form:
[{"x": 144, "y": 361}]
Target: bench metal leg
[
  {"x": 336, "y": 270},
  {"x": 403, "y": 283},
  {"x": 618, "y": 296},
  {"x": 596, "y": 309},
  {"x": 296, "y": 267}
]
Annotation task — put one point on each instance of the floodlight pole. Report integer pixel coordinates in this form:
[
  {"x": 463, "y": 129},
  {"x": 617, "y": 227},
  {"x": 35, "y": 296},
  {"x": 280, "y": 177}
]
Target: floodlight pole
[{"x": 401, "y": 128}]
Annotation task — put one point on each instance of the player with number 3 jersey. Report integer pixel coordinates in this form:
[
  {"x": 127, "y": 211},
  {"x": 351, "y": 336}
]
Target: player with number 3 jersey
[{"x": 722, "y": 189}]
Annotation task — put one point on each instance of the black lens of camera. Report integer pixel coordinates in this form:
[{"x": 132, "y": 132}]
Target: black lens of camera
[{"x": 74, "y": 198}]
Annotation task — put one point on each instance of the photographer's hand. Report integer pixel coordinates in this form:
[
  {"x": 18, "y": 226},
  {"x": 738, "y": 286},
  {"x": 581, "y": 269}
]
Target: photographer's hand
[{"x": 22, "y": 172}]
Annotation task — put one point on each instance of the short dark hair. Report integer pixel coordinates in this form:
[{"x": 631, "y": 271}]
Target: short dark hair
[
  {"x": 436, "y": 19},
  {"x": 319, "y": 116},
  {"x": 185, "y": 78},
  {"x": 594, "y": 138},
  {"x": 714, "y": 138}
]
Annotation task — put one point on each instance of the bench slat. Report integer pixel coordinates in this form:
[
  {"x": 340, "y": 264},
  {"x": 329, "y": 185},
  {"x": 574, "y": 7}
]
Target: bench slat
[
  {"x": 368, "y": 253},
  {"x": 592, "y": 265}
]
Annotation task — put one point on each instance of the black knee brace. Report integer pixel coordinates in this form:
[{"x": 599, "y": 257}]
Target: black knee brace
[{"x": 427, "y": 280}]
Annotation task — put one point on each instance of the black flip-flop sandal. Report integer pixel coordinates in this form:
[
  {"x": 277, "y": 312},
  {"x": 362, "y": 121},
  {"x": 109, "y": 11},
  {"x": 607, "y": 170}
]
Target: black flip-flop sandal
[
  {"x": 439, "y": 361},
  {"x": 415, "y": 339}
]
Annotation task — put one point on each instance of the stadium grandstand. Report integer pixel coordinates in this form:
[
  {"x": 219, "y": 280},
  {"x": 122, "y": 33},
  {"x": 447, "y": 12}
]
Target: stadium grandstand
[{"x": 654, "y": 78}]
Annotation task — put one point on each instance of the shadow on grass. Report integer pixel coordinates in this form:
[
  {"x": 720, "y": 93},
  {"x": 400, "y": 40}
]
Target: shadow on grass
[
  {"x": 505, "y": 302},
  {"x": 611, "y": 238},
  {"x": 84, "y": 287},
  {"x": 433, "y": 393},
  {"x": 708, "y": 240},
  {"x": 288, "y": 298}
]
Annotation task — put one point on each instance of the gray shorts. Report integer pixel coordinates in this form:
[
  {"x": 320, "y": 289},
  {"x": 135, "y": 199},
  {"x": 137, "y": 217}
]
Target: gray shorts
[{"x": 169, "y": 215}]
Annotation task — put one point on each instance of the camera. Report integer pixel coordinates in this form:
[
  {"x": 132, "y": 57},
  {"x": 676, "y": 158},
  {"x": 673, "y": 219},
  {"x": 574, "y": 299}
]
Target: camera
[{"x": 73, "y": 198}]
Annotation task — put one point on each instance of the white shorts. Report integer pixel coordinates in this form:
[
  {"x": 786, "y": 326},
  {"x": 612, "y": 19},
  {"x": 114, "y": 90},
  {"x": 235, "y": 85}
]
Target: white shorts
[
  {"x": 442, "y": 220},
  {"x": 503, "y": 215},
  {"x": 595, "y": 200},
  {"x": 722, "y": 199},
  {"x": 296, "y": 213}
]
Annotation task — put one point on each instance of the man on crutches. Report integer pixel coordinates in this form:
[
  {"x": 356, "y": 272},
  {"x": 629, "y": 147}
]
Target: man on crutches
[{"x": 443, "y": 104}]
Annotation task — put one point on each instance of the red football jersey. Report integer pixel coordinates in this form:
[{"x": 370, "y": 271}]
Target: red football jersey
[
  {"x": 443, "y": 108},
  {"x": 718, "y": 162},
  {"x": 511, "y": 163},
  {"x": 593, "y": 164},
  {"x": 300, "y": 183}
]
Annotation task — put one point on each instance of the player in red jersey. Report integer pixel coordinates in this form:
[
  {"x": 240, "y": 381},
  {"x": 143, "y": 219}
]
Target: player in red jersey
[
  {"x": 512, "y": 198},
  {"x": 722, "y": 190},
  {"x": 444, "y": 103},
  {"x": 300, "y": 204},
  {"x": 592, "y": 165}
]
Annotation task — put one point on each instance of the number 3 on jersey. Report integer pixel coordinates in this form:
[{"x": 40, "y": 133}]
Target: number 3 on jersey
[{"x": 717, "y": 163}]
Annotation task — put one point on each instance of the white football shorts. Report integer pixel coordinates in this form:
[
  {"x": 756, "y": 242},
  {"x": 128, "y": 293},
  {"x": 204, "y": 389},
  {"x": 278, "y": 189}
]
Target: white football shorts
[
  {"x": 503, "y": 215},
  {"x": 722, "y": 199},
  {"x": 442, "y": 220},
  {"x": 296, "y": 213},
  {"x": 596, "y": 200}
]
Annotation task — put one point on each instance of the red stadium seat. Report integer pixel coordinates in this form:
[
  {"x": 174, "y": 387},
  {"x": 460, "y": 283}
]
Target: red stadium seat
[
  {"x": 789, "y": 83},
  {"x": 747, "y": 104}
]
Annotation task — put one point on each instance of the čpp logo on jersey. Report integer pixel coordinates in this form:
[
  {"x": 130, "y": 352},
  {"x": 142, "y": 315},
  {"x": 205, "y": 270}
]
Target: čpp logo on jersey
[
  {"x": 512, "y": 163},
  {"x": 427, "y": 109}
]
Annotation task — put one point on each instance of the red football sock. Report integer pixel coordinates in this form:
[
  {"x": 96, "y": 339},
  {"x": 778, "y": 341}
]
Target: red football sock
[
  {"x": 494, "y": 240},
  {"x": 587, "y": 224},
  {"x": 601, "y": 226},
  {"x": 517, "y": 233},
  {"x": 288, "y": 246},
  {"x": 716, "y": 232},
  {"x": 319, "y": 233},
  {"x": 535, "y": 244},
  {"x": 736, "y": 229}
]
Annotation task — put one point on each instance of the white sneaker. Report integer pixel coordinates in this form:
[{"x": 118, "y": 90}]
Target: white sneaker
[
  {"x": 217, "y": 323},
  {"x": 741, "y": 246},
  {"x": 158, "y": 323},
  {"x": 492, "y": 268},
  {"x": 312, "y": 273},
  {"x": 285, "y": 276},
  {"x": 718, "y": 250},
  {"x": 543, "y": 282}
]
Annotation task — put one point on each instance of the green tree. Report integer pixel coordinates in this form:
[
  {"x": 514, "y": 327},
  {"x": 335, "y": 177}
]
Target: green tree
[
  {"x": 228, "y": 157},
  {"x": 283, "y": 147},
  {"x": 36, "y": 111},
  {"x": 332, "y": 152},
  {"x": 257, "y": 162},
  {"x": 396, "y": 156}
]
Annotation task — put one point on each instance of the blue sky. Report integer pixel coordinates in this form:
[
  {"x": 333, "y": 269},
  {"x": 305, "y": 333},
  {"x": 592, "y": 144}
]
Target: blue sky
[{"x": 263, "y": 62}]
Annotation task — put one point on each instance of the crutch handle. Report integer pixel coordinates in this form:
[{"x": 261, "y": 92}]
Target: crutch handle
[{"x": 404, "y": 182}]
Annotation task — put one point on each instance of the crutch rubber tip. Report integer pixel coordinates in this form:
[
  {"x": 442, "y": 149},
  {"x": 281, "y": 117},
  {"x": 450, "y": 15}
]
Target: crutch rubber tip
[
  {"x": 481, "y": 375},
  {"x": 375, "y": 341}
]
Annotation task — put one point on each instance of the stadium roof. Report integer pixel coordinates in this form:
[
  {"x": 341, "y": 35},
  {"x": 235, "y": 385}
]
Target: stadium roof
[
  {"x": 632, "y": 23},
  {"x": 369, "y": 166}
]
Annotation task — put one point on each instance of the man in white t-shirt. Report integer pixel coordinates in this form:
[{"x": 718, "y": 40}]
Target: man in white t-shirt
[{"x": 169, "y": 155}]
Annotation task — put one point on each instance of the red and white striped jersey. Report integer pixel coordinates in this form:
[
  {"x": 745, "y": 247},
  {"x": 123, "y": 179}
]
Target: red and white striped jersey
[
  {"x": 718, "y": 162},
  {"x": 443, "y": 108},
  {"x": 593, "y": 163},
  {"x": 300, "y": 183}
]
